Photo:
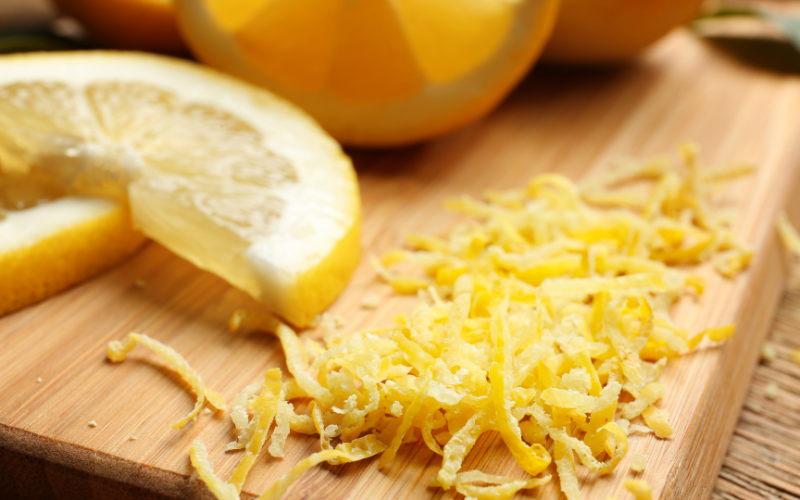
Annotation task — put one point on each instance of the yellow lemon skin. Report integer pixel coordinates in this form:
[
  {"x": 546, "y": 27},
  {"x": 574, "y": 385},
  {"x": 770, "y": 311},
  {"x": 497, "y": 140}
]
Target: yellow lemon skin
[
  {"x": 147, "y": 25},
  {"x": 613, "y": 31},
  {"x": 32, "y": 272}
]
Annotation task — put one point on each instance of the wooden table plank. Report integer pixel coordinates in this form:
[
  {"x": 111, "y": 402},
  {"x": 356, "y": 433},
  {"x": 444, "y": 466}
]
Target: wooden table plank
[
  {"x": 570, "y": 121},
  {"x": 763, "y": 460}
]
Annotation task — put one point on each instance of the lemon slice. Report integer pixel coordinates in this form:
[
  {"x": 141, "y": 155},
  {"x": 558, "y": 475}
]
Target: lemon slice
[
  {"x": 375, "y": 72},
  {"x": 226, "y": 175},
  {"x": 47, "y": 248}
]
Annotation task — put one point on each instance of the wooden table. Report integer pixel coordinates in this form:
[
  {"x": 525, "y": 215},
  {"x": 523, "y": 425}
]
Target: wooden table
[{"x": 572, "y": 121}]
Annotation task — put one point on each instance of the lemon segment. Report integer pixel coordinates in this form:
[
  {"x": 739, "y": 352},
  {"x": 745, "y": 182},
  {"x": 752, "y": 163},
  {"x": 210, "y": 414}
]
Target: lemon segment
[
  {"x": 50, "y": 247},
  {"x": 293, "y": 41},
  {"x": 232, "y": 20},
  {"x": 373, "y": 61},
  {"x": 449, "y": 38},
  {"x": 226, "y": 175}
]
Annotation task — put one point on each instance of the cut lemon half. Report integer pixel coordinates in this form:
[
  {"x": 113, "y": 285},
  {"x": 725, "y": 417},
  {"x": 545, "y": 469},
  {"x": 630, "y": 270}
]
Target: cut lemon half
[
  {"x": 47, "y": 248},
  {"x": 226, "y": 175},
  {"x": 375, "y": 72}
]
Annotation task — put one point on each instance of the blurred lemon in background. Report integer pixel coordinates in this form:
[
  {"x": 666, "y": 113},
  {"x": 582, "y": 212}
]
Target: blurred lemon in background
[
  {"x": 128, "y": 24},
  {"x": 375, "y": 72},
  {"x": 607, "y": 31}
]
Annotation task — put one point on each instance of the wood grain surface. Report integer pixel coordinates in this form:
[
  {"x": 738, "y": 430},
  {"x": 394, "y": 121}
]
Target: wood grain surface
[
  {"x": 763, "y": 459},
  {"x": 570, "y": 121}
]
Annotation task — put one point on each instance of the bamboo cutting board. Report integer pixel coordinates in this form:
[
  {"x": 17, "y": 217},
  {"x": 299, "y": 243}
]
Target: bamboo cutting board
[{"x": 570, "y": 121}]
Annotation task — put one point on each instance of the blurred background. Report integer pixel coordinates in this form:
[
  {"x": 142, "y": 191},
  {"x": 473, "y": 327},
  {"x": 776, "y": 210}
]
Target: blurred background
[{"x": 584, "y": 33}]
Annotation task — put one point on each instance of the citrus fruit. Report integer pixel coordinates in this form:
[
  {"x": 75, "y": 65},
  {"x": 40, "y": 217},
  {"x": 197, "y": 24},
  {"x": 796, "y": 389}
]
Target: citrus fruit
[
  {"x": 609, "y": 31},
  {"x": 51, "y": 246},
  {"x": 375, "y": 72},
  {"x": 128, "y": 24},
  {"x": 225, "y": 174}
]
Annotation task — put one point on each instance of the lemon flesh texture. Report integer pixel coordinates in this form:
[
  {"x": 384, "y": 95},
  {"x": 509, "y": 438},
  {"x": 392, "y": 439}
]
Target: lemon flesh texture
[
  {"x": 375, "y": 72},
  {"x": 48, "y": 248},
  {"x": 226, "y": 175}
]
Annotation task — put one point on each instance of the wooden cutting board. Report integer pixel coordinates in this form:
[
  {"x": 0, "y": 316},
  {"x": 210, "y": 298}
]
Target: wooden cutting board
[{"x": 54, "y": 377}]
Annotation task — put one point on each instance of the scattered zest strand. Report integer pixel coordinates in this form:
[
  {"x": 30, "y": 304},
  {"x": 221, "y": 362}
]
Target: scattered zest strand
[
  {"x": 199, "y": 458},
  {"x": 640, "y": 489},
  {"x": 638, "y": 462},
  {"x": 266, "y": 406},
  {"x": 358, "y": 449},
  {"x": 788, "y": 234},
  {"x": 118, "y": 350}
]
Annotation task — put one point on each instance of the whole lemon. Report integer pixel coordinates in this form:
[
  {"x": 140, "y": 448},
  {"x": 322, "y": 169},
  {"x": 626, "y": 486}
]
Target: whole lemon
[
  {"x": 607, "y": 31},
  {"x": 375, "y": 72},
  {"x": 128, "y": 24}
]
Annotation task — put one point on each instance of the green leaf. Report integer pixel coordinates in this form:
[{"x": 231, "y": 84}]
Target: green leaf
[
  {"x": 727, "y": 11},
  {"x": 788, "y": 25},
  {"x": 33, "y": 43}
]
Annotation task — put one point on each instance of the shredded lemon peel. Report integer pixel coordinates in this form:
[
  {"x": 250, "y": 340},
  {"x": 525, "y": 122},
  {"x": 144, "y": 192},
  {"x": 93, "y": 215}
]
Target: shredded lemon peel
[
  {"x": 788, "y": 234},
  {"x": 118, "y": 351},
  {"x": 547, "y": 319},
  {"x": 641, "y": 490},
  {"x": 219, "y": 488}
]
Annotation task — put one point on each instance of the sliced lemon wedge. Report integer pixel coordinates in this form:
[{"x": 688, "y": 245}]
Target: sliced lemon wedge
[{"x": 224, "y": 174}]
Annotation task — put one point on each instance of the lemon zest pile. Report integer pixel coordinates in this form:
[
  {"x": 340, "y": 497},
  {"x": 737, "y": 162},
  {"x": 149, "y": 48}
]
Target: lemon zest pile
[
  {"x": 118, "y": 351},
  {"x": 547, "y": 320}
]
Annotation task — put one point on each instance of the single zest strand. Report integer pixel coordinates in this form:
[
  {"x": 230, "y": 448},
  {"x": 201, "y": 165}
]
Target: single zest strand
[
  {"x": 502, "y": 491},
  {"x": 359, "y": 449},
  {"x": 283, "y": 422},
  {"x": 265, "y": 409},
  {"x": 293, "y": 349},
  {"x": 219, "y": 488},
  {"x": 239, "y": 415},
  {"x": 118, "y": 351},
  {"x": 657, "y": 419},
  {"x": 717, "y": 334},
  {"x": 408, "y": 417},
  {"x": 640, "y": 489},
  {"x": 788, "y": 234},
  {"x": 533, "y": 459},
  {"x": 459, "y": 446},
  {"x": 565, "y": 465},
  {"x": 727, "y": 172},
  {"x": 476, "y": 476}
]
